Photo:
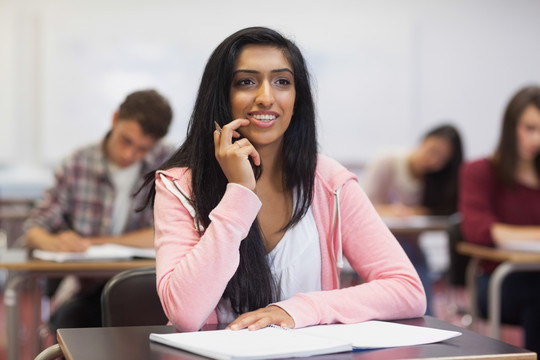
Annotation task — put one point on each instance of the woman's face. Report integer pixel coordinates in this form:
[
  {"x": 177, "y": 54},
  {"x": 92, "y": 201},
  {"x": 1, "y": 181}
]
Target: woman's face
[
  {"x": 433, "y": 154},
  {"x": 263, "y": 91},
  {"x": 528, "y": 133}
]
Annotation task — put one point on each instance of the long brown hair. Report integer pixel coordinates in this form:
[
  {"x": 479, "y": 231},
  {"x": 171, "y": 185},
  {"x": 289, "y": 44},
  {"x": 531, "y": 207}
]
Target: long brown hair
[{"x": 506, "y": 154}]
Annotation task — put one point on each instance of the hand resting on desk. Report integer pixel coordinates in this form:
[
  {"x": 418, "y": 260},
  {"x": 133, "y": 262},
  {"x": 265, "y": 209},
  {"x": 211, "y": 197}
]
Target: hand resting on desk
[{"x": 258, "y": 319}]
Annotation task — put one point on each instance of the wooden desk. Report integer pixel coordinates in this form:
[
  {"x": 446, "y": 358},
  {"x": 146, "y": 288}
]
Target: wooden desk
[
  {"x": 509, "y": 261},
  {"x": 133, "y": 343},
  {"x": 26, "y": 271}
]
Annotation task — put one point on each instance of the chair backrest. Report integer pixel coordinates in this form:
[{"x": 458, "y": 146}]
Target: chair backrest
[
  {"x": 130, "y": 299},
  {"x": 458, "y": 263}
]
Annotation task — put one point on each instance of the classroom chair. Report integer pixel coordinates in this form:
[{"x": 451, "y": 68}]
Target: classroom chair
[
  {"x": 53, "y": 352},
  {"x": 455, "y": 276},
  {"x": 130, "y": 299}
]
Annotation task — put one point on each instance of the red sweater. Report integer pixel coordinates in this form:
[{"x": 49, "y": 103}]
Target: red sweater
[{"x": 484, "y": 200}]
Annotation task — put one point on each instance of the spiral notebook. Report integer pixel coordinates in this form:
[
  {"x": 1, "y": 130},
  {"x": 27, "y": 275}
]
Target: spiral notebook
[{"x": 277, "y": 343}]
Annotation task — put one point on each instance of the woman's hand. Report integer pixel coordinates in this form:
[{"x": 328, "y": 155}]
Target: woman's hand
[
  {"x": 233, "y": 157},
  {"x": 258, "y": 319}
]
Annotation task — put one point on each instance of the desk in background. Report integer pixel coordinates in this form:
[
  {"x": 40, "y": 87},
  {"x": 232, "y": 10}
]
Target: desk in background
[
  {"x": 26, "y": 271},
  {"x": 510, "y": 261},
  {"x": 414, "y": 225},
  {"x": 133, "y": 343}
]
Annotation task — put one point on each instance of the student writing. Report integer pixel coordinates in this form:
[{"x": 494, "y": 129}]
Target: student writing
[{"x": 92, "y": 201}]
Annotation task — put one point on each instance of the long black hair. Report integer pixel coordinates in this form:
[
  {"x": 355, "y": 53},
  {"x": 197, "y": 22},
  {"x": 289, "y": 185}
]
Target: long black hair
[
  {"x": 252, "y": 286},
  {"x": 441, "y": 187}
]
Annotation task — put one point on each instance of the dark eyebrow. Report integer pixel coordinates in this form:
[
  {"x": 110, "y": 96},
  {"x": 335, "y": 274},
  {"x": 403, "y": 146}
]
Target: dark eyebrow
[{"x": 257, "y": 72}]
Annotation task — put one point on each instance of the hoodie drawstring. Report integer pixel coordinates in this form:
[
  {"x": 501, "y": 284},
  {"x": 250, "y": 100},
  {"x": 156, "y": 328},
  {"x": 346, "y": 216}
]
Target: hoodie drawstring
[
  {"x": 337, "y": 222},
  {"x": 177, "y": 191}
]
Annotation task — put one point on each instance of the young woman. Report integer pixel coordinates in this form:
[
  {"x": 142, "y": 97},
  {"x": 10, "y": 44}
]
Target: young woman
[
  {"x": 500, "y": 204},
  {"x": 252, "y": 224},
  {"x": 423, "y": 181},
  {"x": 419, "y": 182}
]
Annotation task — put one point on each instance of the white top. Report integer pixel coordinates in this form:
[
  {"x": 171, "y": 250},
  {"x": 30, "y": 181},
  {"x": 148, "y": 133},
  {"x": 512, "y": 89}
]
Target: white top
[
  {"x": 124, "y": 180},
  {"x": 295, "y": 264},
  {"x": 388, "y": 180}
]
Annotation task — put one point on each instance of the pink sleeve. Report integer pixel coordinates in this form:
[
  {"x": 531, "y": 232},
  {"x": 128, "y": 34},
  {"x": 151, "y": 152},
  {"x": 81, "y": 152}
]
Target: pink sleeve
[
  {"x": 391, "y": 288},
  {"x": 193, "y": 270}
]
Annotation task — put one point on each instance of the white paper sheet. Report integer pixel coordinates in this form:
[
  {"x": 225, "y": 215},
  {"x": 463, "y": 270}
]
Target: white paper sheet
[
  {"x": 97, "y": 252},
  {"x": 274, "y": 343}
]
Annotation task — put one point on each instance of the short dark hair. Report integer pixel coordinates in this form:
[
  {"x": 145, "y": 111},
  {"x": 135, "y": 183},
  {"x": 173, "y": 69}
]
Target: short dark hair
[
  {"x": 506, "y": 154},
  {"x": 150, "y": 109}
]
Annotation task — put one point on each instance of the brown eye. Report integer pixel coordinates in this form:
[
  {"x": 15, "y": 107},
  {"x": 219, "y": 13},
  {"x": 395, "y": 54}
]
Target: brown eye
[
  {"x": 245, "y": 82},
  {"x": 283, "y": 82}
]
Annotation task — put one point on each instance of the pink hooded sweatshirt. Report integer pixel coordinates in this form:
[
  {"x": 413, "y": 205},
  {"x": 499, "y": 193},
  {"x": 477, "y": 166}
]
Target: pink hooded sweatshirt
[{"x": 193, "y": 270}]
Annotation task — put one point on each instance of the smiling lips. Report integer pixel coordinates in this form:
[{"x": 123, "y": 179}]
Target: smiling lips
[{"x": 263, "y": 120}]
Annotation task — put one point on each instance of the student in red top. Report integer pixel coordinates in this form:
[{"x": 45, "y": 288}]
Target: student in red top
[{"x": 500, "y": 203}]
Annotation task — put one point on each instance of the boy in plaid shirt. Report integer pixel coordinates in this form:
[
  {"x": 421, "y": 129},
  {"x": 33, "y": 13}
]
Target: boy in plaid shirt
[{"x": 92, "y": 200}]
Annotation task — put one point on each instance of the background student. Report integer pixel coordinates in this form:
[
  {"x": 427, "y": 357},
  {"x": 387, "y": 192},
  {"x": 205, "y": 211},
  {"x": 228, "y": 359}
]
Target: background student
[
  {"x": 421, "y": 181},
  {"x": 92, "y": 202},
  {"x": 500, "y": 203},
  {"x": 252, "y": 224}
]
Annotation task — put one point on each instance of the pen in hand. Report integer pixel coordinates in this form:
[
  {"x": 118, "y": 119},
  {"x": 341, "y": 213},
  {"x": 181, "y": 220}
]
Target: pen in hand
[
  {"x": 218, "y": 128},
  {"x": 257, "y": 169}
]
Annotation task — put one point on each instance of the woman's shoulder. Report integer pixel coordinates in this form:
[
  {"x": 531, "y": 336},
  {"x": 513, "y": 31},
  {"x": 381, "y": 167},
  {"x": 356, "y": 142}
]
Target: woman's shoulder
[
  {"x": 478, "y": 166},
  {"x": 389, "y": 160},
  {"x": 332, "y": 172},
  {"x": 328, "y": 165},
  {"x": 175, "y": 172},
  {"x": 479, "y": 170},
  {"x": 181, "y": 175}
]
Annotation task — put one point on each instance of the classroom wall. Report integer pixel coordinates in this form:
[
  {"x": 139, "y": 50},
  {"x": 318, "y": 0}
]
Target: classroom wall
[{"x": 384, "y": 71}]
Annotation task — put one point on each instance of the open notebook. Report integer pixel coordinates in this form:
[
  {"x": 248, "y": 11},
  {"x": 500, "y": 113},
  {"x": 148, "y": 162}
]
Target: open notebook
[
  {"x": 276, "y": 343},
  {"x": 97, "y": 252}
]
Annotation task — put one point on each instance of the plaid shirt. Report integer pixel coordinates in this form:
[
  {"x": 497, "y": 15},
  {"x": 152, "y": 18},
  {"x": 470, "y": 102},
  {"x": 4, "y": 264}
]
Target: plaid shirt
[{"x": 82, "y": 197}]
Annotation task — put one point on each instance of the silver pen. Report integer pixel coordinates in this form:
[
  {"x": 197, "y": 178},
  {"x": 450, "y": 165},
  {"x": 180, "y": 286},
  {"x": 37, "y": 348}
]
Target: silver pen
[{"x": 218, "y": 128}]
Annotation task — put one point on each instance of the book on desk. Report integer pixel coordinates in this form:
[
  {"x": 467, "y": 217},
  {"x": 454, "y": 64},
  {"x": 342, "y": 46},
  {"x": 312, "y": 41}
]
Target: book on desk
[
  {"x": 274, "y": 342},
  {"x": 97, "y": 253}
]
